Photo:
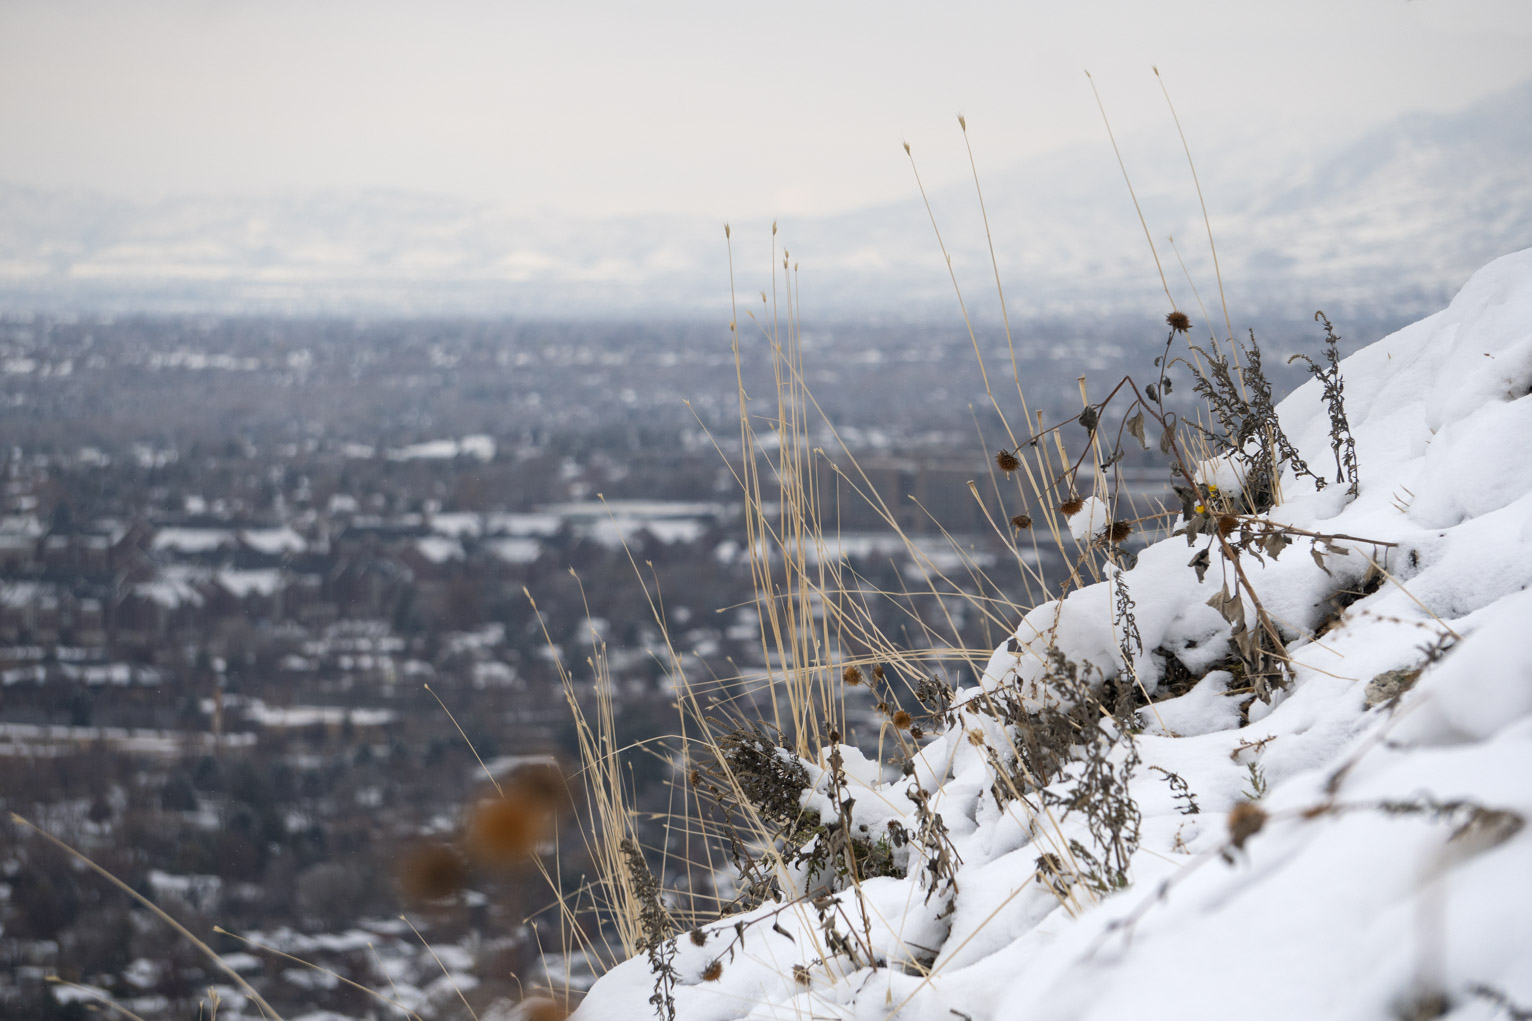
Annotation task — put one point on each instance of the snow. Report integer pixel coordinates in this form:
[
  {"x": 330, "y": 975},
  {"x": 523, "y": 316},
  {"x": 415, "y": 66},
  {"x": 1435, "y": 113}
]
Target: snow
[
  {"x": 478, "y": 447},
  {"x": 311, "y": 715},
  {"x": 439, "y": 550},
  {"x": 192, "y": 540},
  {"x": 265, "y": 582},
  {"x": 273, "y": 541},
  {"x": 515, "y": 550},
  {"x": 1389, "y": 856}
]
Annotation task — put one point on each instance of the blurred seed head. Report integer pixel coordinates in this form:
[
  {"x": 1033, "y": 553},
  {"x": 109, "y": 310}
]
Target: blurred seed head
[
  {"x": 1245, "y": 821},
  {"x": 544, "y": 1009},
  {"x": 507, "y": 830},
  {"x": 432, "y": 873}
]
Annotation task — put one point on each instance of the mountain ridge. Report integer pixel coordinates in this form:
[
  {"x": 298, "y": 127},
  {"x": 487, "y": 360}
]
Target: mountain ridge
[{"x": 1443, "y": 188}]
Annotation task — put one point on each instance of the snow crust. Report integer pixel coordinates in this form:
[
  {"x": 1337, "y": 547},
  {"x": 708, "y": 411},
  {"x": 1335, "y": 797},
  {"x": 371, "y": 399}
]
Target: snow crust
[{"x": 1392, "y": 861}]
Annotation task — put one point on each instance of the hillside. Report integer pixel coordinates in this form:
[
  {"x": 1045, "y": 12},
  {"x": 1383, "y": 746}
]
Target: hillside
[{"x": 1321, "y": 811}]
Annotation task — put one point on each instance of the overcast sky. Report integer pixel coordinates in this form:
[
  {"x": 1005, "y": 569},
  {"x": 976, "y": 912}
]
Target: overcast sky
[{"x": 714, "y": 108}]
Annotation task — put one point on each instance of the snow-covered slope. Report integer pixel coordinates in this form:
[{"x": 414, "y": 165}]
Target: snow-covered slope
[{"x": 1358, "y": 848}]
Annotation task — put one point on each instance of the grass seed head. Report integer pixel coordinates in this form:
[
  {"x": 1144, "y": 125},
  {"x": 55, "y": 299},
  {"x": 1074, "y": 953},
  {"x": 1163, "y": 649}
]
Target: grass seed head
[
  {"x": 1119, "y": 530},
  {"x": 902, "y": 720}
]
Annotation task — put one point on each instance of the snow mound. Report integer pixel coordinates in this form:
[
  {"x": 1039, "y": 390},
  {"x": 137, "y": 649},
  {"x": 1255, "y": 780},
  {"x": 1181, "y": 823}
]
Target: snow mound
[{"x": 1355, "y": 848}]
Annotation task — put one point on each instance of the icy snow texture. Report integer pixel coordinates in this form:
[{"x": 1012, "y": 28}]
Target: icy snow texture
[{"x": 1348, "y": 913}]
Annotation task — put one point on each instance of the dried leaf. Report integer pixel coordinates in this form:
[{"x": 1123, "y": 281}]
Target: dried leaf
[
  {"x": 1089, "y": 417},
  {"x": 1194, "y": 527},
  {"x": 1168, "y": 439},
  {"x": 1275, "y": 543},
  {"x": 1319, "y": 558},
  {"x": 1117, "y": 455},
  {"x": 1229, "y": 606},
  {"x": 1200, "y": 563},
  {"x": 1152, "y": 392},
  {"x": 1136, "y": 430}
]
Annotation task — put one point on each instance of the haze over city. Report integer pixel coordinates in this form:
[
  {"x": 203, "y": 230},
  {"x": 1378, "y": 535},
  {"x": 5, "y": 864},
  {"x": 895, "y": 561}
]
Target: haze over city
[{"x": 692, "y": 510}]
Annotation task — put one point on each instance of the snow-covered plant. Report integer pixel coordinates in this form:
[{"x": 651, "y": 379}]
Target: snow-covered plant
[
  {"x": 1240, "y": 398},
  {"x": 1342, "y": 443}
]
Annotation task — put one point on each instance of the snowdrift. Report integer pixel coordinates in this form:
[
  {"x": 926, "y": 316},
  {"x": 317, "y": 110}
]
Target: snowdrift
[{"x": 1354, "y": 848}]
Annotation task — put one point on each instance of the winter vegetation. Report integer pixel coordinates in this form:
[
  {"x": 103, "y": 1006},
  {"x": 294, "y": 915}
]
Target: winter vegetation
[{"x": 1273, "y": 763}]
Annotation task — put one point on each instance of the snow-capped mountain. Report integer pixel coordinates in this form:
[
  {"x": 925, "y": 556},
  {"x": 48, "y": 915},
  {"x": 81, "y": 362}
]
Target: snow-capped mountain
[{"x": 1402, "y": 214}]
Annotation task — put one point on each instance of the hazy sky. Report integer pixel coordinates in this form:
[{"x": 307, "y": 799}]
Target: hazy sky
[{"x": 716, "y": 108}]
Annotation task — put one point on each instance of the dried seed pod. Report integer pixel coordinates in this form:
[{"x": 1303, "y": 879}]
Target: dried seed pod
[
  {"x": 433, "y": 872},
  {"x": 1072, "y": 506},
  {"x": 1021, "y": 522},
  {"x": 1245, "y": 821},
  {"x": 1007, "y": 461},
  {"x": 1178, "y": 321},
  {"x": 852, "y": 675},
  {"x": 506, "y": 831},
  {"x": 712, "y": 972}
]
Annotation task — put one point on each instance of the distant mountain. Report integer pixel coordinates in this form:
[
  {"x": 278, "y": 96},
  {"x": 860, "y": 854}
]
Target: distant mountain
[{"x": 1400, "y": 217}]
